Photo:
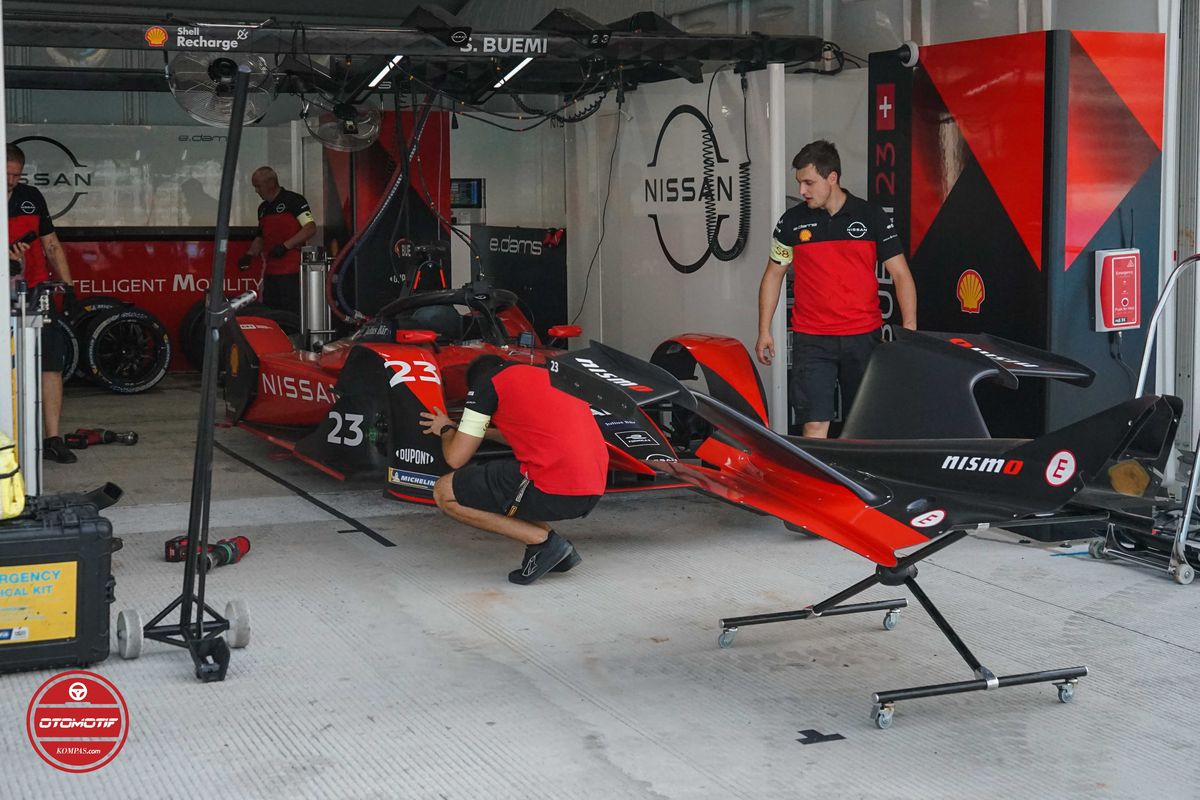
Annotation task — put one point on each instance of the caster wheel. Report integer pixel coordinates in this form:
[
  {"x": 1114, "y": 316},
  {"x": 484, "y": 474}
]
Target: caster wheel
[
  {"x": 129, "y": 634},
  {"x": 890, "y": 619},
  {"x": 726, "y": 638},
  {"x": 1184, "y": 574},
  {"x": 1096, "y": 548},
  {"x": 1066, "y": 692},
  {"x": 238, "y": 614},
  {"x": 883, "y": 718}
]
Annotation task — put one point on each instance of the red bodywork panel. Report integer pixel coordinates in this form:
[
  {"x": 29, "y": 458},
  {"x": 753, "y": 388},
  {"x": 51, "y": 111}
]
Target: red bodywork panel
[
  {"x": 813, "y": 503},
  {"x": 727, "y": 357}
]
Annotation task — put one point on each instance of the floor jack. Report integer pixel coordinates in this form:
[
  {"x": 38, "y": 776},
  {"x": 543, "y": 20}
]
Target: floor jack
[{"x": 200, "y": 628}]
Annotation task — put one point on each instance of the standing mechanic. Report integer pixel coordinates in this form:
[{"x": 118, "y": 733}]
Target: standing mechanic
[
  {"x": 29, "y": 217},
  {"x": 558, "y": 470},
  {"x": 285, "y": 223},
  {"x": 832, "y": 240}
]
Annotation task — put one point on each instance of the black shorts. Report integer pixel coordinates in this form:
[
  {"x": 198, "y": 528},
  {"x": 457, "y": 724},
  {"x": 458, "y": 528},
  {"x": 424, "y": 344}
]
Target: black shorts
[
  {"x": 493, "y": 485},
  {"x": 822, "y": 363},
  {"x": 55, "y": 347}
]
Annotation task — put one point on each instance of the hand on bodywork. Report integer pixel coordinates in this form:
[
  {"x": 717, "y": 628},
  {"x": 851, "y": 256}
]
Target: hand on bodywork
[{"x": 457, "y": 446}]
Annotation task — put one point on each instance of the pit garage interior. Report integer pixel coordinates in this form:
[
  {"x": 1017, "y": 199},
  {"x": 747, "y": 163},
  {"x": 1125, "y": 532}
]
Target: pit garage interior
[{"x": 617, "y": 167}]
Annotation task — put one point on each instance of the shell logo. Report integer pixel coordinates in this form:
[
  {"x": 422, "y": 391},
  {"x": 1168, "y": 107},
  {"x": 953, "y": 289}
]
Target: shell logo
[
  {"x": 156, "y": 36},
  {"x": 970, "y": 291},
  {"x": 805, "y": 235}
]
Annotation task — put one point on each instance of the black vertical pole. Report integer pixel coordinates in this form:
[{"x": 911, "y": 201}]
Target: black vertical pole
[{"x": 218, "y": 306}]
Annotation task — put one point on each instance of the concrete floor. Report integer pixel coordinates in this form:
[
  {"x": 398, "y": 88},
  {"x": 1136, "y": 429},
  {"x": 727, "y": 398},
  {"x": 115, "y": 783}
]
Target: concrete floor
[{"x": 418, "y": 671}]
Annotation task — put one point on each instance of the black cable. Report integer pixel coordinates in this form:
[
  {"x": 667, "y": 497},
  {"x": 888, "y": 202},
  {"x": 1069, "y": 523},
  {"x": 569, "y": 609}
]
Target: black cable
[
  {"x": 713, "y": 79},
  {"x": 587, "y": 281},
  {"x": 481, "y": 110},
  {"x": 1115, "y": 352}
]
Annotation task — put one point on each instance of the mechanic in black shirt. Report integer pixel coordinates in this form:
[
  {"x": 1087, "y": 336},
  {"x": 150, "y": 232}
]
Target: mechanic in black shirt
[
  {"x": 285, "y": 223},
  {"x": 28, "y": 216}
]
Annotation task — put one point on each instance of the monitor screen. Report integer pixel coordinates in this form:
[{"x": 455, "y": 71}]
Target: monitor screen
[{"x": 466, "y": 192}]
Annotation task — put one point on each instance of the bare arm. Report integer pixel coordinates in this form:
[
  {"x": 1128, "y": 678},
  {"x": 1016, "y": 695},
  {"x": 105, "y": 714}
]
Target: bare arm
[
  {"x": 457, "y": 447},
  {"x": 57, "y": 257},
  {"x": 768, "y": 298},
  {"x": 906, "y": 290}
]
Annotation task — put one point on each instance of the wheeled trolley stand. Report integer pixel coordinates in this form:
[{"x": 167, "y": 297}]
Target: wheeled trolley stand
[
  {"x": 199, "y": 628},
  {"x": 905, "y": 573}
]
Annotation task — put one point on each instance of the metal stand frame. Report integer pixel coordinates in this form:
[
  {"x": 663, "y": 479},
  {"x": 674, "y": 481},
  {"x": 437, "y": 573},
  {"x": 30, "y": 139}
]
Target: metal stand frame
[
  {"x": 1177, "y": 564},
  {"x": 905, "y": 573},
  {"x": 27, "y": 346},
  {"x": 201, "y": 636}
]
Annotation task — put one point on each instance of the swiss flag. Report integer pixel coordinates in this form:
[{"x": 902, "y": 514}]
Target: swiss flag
[{"x": 885, "y": 107}]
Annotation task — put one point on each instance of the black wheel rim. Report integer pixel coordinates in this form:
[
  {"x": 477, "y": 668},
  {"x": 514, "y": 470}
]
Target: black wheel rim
[{"x": 126, "y": 352}]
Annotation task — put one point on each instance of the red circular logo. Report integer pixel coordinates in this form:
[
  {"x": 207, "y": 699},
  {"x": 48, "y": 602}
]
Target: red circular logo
[{"x": 77, "y": 721}]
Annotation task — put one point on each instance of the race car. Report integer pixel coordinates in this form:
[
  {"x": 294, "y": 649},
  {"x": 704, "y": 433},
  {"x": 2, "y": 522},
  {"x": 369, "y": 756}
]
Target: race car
[{"x": 354, "y": 407}]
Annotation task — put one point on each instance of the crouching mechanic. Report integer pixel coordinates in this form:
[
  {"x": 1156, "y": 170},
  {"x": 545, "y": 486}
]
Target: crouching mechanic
[{"x": 557, "y": 471}]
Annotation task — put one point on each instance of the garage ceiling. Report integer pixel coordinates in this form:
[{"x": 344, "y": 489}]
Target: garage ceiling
[{"x": 343, "y": 12}]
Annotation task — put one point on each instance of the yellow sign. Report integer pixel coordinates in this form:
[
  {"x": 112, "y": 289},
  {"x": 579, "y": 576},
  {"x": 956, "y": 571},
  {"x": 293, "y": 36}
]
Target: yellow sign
[{"x": 37, "y": 602}]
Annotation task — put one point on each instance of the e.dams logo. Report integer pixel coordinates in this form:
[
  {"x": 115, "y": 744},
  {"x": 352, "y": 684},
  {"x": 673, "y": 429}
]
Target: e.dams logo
[
  {"x": 54, "y": 169},
  {"x": 708, "y": 188}
]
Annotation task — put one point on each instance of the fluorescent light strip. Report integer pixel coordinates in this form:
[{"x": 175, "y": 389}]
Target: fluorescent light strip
[
  {"x": 383, "y": 73},
  {"x": 514, "y": 71}
]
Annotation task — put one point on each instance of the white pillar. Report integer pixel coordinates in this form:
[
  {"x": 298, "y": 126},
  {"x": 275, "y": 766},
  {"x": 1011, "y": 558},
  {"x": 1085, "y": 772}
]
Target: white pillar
[
  {"x": 6, "y": 364},
  {"x": 777, "y": 168}
]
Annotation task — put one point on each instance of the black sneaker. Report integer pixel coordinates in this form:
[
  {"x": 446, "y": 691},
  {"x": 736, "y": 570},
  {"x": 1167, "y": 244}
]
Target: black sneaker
[
  {"x": 541, "y": 558},
  {"x": 56, "y": 449},
  {"x": 571, "y": 560}
]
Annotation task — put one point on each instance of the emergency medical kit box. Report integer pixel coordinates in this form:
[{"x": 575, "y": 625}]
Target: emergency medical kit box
[{"x": 56, "y": 585}]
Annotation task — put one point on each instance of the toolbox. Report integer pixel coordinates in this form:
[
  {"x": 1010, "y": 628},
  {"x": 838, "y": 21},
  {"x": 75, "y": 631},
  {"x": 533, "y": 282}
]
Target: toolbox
[{"x": 56, "y": 584}]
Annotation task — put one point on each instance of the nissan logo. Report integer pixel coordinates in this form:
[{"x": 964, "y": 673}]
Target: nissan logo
[
  {"x": 458, "y": 37},
  {"x": 856, "y": 229}
]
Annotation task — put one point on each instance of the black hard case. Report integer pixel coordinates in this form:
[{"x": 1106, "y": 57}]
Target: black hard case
[{"x": 57, "y": 528}]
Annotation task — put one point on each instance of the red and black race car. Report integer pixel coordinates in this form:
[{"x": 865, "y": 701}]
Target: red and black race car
[{"x": 354, "y": 407}]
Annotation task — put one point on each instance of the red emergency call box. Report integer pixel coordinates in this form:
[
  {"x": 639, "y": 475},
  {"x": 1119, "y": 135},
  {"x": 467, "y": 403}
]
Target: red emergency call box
[{"x": 1118, "y": 299}]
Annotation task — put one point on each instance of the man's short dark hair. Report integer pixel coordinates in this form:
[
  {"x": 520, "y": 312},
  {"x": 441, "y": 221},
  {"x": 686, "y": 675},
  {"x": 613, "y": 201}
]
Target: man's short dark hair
[
  {"x": 482, "y": 367},
  {"x": 822, "y": 155},
  {"x": 16, "y": 154}
]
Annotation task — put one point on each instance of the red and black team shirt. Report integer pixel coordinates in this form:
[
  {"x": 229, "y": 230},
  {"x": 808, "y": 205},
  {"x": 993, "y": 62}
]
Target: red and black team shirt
[
  {"x": 278, "y": 220},
  {"x": 27, "y": 212},
  {"x": 833, "y": 258},
  {"x": 553, "y": 435}
]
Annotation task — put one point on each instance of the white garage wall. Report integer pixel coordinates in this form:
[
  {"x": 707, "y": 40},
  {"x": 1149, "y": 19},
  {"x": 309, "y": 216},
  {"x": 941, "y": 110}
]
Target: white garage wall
[
  {"x": 524, "y": 171},
  {"x": 634, "y": 297}
]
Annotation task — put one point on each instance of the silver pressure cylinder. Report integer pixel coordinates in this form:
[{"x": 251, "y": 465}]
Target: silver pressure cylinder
[{"x": 315, "y": 321}]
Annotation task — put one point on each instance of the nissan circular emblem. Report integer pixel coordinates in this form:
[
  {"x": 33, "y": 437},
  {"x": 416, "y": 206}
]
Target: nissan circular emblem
[
  {"x": 458, "y": 37},
  {"x": 857, "y": 230},
  {"x": 28, "y": 207},
  {"x": 279, "y": 209}
]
